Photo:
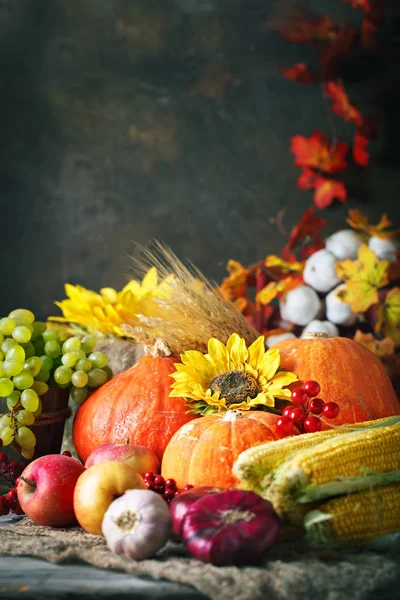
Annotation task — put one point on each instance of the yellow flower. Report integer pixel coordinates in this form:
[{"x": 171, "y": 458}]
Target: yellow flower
[
  {"x": 108, "y": 311},
  {"x": 358, "y": 221},
  {"x": 363, "y": 278},
  {"x": 231, "y": 376}
]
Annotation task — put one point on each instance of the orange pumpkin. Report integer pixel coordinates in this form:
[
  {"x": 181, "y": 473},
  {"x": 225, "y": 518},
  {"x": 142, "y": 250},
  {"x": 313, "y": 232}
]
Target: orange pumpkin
[
  {"x": 203, "y": 452},
  {"x": 347, "y": 372},
  {"x": 134, "y": 406}
]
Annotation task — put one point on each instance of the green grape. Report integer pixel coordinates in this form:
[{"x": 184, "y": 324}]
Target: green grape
[
  {"x": 22, "y": 334},
  {"x": 79, "y": 379},
  {"x": 62, "y": 375},
  {"x": 25, "y": 417},
  {"x": 79, "y": 395},
  {"x": 13, "y": 399},
  {"x": 23, "y": 381},
  {"x": 51, "y": 335},
  {"x": 30, "y": 400},
  {"x": 7, "y": 325},
  {"x": 6, "y": 386},
  {"x": 6, "y": 435},
  {"x": 7, "y": 344},
  {"x": 88, "y": 343},
  {"x": 1, "y": 356},
  {"x": 16, "y": 353},
  {"x": 22, "y": 313},
  {"x": 99, "y": 359},
  {"x": 69, "y": 359},
  {"x": 38, "y": 329},
  {"x": 47, "y": 362},
  {"x": 33, "y": 365},
  {"x": 108, "y": 372},
  {"x": 2, "y": 374},
  {"x": 79, "y": 354},
  {"x": 38, "y": 346},
  {"x": 43, "y": 375},
  {"x": 96, "y": 377},
  {"x": 25, "y": 438},
  {"x": 52, "y": 349},
  {"x": 38, "y": 411},
  {"x": 1, "y": 338},
  {"x": 28, "y": 452},
  {"x": 30, "y": 350},
  {"x": 71, "y": 344},
  {"x": 83, "y": 364},
  {"x": 5, "y": 421},
  {"x": 57, "y": 362},
  {"x": 12, "y": 367},
  {"x": 40, "y": 387},
  {"x": 21, "y": 322}
]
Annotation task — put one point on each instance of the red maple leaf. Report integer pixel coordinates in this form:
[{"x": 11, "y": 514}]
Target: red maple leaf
[
  {"x": 310, "y": 29},
  {"x": 317, "y": 153},
  {"x": 363, "y": 4},
  {"x": 309, "y": 227},
  {"x": 334, "y": 52},
  {"x": 372, "y": 19},
  {"x": 299, "y": 72},
  {"x": 341, "y": 103},
  {"x": 306, "y": 179},
  {"x": 360, "y": 152},
  {"x": 326, "y": 190}
]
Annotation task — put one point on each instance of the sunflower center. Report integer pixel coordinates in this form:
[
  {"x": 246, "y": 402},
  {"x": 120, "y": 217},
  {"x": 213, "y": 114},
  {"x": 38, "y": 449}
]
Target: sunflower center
[{"x": 235, "y": 386}]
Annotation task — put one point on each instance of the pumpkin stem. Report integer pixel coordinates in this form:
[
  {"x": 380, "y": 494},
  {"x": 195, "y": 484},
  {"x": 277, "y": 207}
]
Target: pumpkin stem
[
  {"x": 313, "y": 335},
  {"x": 160, "y": 349}
]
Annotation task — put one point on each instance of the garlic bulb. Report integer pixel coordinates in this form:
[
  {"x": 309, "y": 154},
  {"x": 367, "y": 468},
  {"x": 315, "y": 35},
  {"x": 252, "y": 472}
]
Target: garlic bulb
[
  {"x": 337, "y": 311},
  {"x": 300, "y": 305},
  {"x": 383, "y": 248},
  {"x": 344, "y": 244},
  {"x": 274, "y": 339},
  {"x": 321, "y": 327},
  {"x": 320, "y": 271},
  {"x": 137, "y": 524}
]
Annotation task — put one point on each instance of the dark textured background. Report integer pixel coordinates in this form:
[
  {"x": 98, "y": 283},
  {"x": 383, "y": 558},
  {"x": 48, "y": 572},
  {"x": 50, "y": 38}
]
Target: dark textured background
[{"x": 127, "y": 120}]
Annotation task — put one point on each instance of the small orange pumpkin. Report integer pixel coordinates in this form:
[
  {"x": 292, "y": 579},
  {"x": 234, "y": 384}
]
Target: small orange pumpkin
[
  {"x": 135, "y": 406},
  {"x": 203, "y": 452},
  {"x": 347, "y": 372}
]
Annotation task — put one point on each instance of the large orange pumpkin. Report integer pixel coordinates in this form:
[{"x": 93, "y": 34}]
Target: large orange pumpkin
[
  {"x": 347, "y": 372},
  {"x": 134, "y": 406},
  {"x": 203, "y": 452}
]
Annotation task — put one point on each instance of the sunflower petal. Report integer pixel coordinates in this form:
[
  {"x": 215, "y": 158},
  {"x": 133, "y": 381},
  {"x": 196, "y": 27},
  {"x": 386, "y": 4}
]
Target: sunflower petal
[
  {"x": 270, "y": 363},
  {"x": 218, "y": 354},
  {"x": 238, "y": 352},
  {"x": 256, "y": 352}
]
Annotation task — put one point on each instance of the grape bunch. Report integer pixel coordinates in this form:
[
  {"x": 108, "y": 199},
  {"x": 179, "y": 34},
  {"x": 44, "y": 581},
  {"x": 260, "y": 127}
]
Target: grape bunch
[
  {"x": 304, "y": 414},
  {"x": 34, "y": 358},
  {"x": 9, "y": 473},
  {"x": 167, "y": 488}
]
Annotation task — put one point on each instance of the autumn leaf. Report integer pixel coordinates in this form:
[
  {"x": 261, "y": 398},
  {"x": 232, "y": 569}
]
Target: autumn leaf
[
  {"x": 362, "y": 277},
  {"x": 327, "y": 190},
  {"x": 317, "y": 153},
  {"x": 284, "y": 266},
  {"x": 303, "y": 29},
  {"x": 275, "y": 289},
  {"x": 372, "y": 19},
  {"x": 389, "y": 315},
  {"x": 342, "y": 105},
  {"x": 382, "y": 348},
  {"x": 333, "y": 54},
  {"x": 307, "y": 179},
  {"x": 360, "y": 222},
  {"x": 299, "y": 72},
  {"x": 307, "y": 229},
  {"x": 234, "y": 285},
  {"x": 360, "y": 152},
  {"x": 365, "y": 5}
]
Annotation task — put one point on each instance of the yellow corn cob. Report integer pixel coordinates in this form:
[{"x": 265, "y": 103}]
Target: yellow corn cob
[
  {"x": 356, "y": 518},
  {"x": 346, "y": 463},
  {"x": 254, "y": 467}
]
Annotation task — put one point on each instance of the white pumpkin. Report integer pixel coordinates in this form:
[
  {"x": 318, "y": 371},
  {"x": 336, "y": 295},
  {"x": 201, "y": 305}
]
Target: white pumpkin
[
  {"x": 321, "y": 327},
  {"x": 320, "y": 271},
  {"x": 300, "y": 305},
  {"x": 384, "y": 249},
  {"x": 274, "y": 339},
  {"x": 339, "y": 312},
  {"x": 344, "y": 244}
]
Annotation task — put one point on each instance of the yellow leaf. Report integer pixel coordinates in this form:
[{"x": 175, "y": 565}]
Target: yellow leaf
[
  {"x": 275, "y": 288},
  {"x": 359, "y": 221},
  {"x": 284, "y": 266},
  {"x": 382, "y": 348},
  {"x": 389, "y": 315}
]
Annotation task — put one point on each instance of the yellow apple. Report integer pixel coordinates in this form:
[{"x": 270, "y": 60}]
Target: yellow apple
[{"x": 100, "y": 485}]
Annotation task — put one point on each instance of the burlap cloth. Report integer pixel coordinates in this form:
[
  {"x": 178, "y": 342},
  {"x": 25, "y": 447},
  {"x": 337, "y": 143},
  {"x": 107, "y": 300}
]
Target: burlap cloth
[{"x": 292, "y": 571}]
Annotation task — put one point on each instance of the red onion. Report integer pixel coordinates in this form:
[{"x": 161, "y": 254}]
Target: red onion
[
  {"x": 181, "y": 503},
  {"x": 234, "y": 527}
]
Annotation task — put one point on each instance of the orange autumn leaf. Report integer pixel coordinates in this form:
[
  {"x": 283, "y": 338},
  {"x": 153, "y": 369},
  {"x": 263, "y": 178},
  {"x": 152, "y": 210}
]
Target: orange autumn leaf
[
  {"x": 389, "y": 315},
  {"x": 235, "y": 284},
  {"x": 362, "y": 277},
  {"x": 382, "y": 348},
  {"x": 327, "y": 190},
  {"x": 310, "y": 29},
  {"x": 317, "y": 153},
  {"x": 360, "y": 222},
  {"x": 307, "y": 179},
  {"x": 360, "y": 152},
  {"x": 308, "y": 228},
  {"x": 299, "y": 72},
  {"x": 341, "y": 104},
  {"x": 285, "y": 266},
  {"x": 365, "y": 5},
  {"x": 275, "y": 289}
]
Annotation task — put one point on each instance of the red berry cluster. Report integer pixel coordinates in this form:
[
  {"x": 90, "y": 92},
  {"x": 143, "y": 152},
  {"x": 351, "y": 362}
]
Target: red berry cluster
[
  {"x": 10, "y": 470},
  {"x": 303, "y": 415},
  {"x": 167, "y": 488}
]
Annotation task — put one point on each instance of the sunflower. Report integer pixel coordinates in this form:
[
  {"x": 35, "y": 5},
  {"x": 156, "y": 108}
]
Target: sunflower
[
  {"x": 107, "y": 311},
  {"x": 231, "y": 376}
]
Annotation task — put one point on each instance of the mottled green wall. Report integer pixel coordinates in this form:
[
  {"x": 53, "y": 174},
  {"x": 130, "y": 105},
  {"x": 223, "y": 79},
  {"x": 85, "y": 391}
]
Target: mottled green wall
[{"x": 127, "y": 120}]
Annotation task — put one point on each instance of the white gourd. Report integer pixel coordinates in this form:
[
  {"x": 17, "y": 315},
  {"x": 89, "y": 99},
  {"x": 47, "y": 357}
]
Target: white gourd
[
  {"x": 384, "y": 249},
  {"x": 344, "y": 244},
  {"x": 274, "y": 339},
  {"x": 316, "y": 326},
  {"x": 320, "y": 271},
  {"x": 300, "y": 305},
  {"x": 339, "y": 312}
]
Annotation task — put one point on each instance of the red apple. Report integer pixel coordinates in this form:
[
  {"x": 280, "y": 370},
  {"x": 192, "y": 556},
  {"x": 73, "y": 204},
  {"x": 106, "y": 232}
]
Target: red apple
[
  {"x": 46, "y": 490},
  {"x": 140, "y": 458},
  {"x": 97, "y": 487}
]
